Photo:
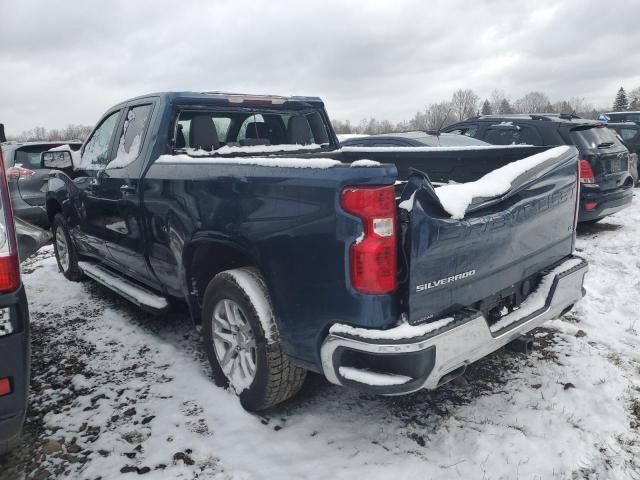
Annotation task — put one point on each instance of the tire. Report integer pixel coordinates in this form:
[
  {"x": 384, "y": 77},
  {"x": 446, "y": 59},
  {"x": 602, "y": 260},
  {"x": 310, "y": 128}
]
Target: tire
[
  {"x": 274, "y": 378},
  {"x": 65, "y": 250}
]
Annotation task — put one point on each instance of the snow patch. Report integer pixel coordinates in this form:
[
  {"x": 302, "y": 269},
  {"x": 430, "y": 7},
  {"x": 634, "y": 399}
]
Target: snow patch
[
  {"x": 124, "y": 158},
  {"x": 226, "y": 149},
  {"x": 408, "y": 203},
  {"x": 80, "y": 382},
  {"x": 456, "y": 198},
  {"x": 248, "y": 282},
  {"x": 365, "y": 163},
  {"x": 400, "y": 332},
  {"x": 281, "y": 162},
  {"x": 373, "y": 378}
]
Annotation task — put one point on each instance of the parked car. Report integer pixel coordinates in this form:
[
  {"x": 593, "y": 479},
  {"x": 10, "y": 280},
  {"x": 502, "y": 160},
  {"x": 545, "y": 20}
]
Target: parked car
[
  {"x": 629, "y": 133},
  {"x": 413, "y": 139},
  {"x": 606, "y": 181},
  {"x": 296, "y": 255},
  {"x": 14, "y": 327},
  {"x": 628, "y": 116},
  {"x": 27, "y": 179}
]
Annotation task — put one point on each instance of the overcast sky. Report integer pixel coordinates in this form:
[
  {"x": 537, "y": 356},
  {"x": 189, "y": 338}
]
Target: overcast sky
[{"x": 67, "y": 62}]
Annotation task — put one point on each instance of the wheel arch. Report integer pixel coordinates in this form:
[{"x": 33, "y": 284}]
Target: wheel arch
[{"x": 203, "y": 259}]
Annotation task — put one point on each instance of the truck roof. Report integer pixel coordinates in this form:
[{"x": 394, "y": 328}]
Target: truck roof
[
  {"x": 14, "y": 143},
  {"x": 230, "y": 97}
]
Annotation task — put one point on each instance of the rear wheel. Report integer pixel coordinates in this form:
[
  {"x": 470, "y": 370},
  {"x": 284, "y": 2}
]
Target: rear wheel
[
  {"x": 242, "y": 343},
  {"x": 66, "y": 253}
]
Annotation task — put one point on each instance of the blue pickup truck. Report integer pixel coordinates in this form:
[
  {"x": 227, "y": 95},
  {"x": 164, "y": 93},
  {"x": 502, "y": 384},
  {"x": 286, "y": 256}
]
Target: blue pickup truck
[{"x": 388, "y": 270}]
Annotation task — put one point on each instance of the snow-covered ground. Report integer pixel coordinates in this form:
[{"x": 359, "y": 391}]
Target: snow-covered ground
[{"x": 117, "y": 392}]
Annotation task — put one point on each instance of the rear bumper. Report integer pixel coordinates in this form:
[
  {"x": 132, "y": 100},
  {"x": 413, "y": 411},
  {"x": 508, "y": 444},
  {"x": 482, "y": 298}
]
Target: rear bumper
[
  {"x": 392, "y": 362},
  {"x": 14, "y": 364},
  {"x": 607, "y": 203}
]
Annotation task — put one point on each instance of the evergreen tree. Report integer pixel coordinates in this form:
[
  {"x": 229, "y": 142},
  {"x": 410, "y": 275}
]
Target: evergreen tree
[
  {"x": 635, "y": 104},
  {"x": 505, "y": 107},
  {"x": 486, "y": 108},
  {"x": 621, "y": 103}
]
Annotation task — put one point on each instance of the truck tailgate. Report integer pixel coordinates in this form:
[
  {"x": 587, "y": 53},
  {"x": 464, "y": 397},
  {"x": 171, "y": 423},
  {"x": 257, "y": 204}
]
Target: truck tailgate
[{"x": 493, "y": 257}]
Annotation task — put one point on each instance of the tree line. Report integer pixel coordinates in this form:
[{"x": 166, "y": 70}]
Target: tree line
[
  {"x": 466, "y": 103},
  {"x": 70, "y": 132}
]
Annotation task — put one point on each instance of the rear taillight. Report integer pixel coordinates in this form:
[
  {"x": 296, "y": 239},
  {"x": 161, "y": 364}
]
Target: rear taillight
[
  {"x": 586, "y": 173},
  {"x": 16, "y": 173},
  {"x": 373, "y": 261},
  {"x": 9, "y": 263},
  {"x": 5, "y": 386}
]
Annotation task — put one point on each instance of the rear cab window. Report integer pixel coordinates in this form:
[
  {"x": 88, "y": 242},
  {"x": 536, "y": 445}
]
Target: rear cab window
[{"x": 210, "y": 130}]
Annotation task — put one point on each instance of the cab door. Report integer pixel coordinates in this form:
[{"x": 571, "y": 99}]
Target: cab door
[
  {"x": 90, "y": 188},
  {"x": 122, "y": 198}
]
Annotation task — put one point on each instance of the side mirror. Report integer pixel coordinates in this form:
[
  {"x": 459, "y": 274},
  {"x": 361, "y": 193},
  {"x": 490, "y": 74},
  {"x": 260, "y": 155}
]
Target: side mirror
[{"x": 60, "y": 159}]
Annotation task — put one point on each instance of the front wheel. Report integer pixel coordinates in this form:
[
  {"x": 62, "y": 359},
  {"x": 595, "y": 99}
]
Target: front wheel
[
  {"x": 242, "y": 343},
  {"x": 66, "y": 253}
]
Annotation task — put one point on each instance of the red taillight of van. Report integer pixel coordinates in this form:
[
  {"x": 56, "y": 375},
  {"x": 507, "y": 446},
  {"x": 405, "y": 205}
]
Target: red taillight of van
[
  {"x": 9, "y": 262},
  {"x": 373, "y": 257},
  {"x": 16, "y": 173}
]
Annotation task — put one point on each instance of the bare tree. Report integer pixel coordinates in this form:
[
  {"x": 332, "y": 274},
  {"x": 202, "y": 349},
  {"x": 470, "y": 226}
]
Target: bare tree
[
  {"x": 70, "y": 132},
  {"x": 464, "y": 103},
  {"x": 433, "y": 117},
  {"x": 533, "y": 102}
]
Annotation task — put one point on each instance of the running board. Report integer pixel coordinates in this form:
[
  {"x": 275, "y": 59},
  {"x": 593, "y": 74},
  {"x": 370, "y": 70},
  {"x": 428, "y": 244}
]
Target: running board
[{"x": 131, "y": 291}]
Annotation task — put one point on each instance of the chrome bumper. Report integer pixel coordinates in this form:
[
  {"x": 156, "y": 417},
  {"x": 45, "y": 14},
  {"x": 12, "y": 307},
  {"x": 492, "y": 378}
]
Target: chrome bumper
[{"x": 428, "y": 361}]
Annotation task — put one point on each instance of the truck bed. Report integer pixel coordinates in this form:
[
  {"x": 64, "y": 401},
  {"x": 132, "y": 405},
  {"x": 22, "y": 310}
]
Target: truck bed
[{"x": 494, "y": 257}]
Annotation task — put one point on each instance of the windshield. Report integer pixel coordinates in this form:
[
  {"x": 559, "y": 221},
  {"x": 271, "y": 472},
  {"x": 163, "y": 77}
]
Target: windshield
[
  {"x": 451, "y": 140},
  {"x": 212, "y": 130},
  {"x": 594, "y": 137}
]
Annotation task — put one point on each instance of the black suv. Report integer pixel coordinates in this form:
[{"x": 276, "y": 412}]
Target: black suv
[{"x": 605, "y": 177}]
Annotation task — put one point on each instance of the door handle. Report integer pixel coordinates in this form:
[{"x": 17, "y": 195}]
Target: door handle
[{"x": 126, "y": 189}]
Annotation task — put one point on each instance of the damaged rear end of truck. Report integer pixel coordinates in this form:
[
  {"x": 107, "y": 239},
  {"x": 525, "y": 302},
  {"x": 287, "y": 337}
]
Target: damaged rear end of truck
[{"x": 479, "y": 263}]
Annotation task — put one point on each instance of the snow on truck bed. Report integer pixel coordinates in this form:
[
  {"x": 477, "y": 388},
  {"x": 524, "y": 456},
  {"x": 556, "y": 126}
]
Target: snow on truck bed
[{"x": 456, "y": 198}]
